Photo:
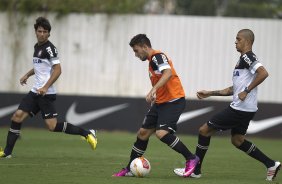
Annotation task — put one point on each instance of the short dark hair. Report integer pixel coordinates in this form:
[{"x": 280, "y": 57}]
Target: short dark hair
[
  {"x": 42, "y": 22},
  {"x": 248, "y": 34},
  {"x": 140, "y": 39}
]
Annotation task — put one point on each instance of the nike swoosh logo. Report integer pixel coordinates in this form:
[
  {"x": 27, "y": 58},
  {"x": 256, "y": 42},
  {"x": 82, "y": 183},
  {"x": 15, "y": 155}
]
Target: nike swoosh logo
[
  {"x": 8, "y": 110},
  {"x": 258, "y": 126},
  {"x": 79, "y": 119},
  {"x": 192, "y": 114},
  {"x": 254, "y": 127}
]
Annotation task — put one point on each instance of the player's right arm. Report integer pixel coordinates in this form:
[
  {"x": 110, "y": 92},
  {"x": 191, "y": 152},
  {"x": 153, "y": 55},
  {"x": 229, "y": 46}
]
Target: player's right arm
[
  {"x": 23, "y": 80},
  {"x": 166, "y": 75},
  {"x": 224, "y": 92}
]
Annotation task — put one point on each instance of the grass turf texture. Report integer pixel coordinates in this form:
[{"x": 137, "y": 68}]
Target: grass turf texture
[{"x": 45, "y": 157}]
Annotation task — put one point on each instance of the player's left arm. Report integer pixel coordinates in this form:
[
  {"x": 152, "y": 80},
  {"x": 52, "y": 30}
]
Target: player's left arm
[
  {"x": 261, "y": 75},
  {"x": 54, "y": 76},
  {"x": 166, "y": 75}
]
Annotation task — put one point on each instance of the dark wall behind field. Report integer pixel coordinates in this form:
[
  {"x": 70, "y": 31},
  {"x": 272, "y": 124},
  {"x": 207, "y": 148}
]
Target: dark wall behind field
[{"x": 126, "y": 114}]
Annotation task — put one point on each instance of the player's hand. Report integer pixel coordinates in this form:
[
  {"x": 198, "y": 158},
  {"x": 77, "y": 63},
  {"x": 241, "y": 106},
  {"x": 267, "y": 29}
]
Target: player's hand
[
  {"x": 203, "y": 94},
  {"x": 41, "y": 91},
  {"x": 242, "y": 96},
  {"x": 151, "y": 96},
  {"x": 23, "y": 80}
]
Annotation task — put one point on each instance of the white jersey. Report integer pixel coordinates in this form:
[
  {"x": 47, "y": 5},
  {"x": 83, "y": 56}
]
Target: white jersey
[
  {"x": 244, "y": 73},
  {"x": 44, "y": 57}
]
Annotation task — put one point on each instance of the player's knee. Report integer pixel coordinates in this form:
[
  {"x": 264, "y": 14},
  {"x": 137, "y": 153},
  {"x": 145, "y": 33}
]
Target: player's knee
[
  {"x": 203, "y": 130},
  {"x": 51, "y": 126},
  {"x": 206, "y": 131},
  {"x": 143, "y": 134},
  {"x": 237, "y": 140},
  {"x": 18, "y": 116},
  {"x": 161, "y": 133}
]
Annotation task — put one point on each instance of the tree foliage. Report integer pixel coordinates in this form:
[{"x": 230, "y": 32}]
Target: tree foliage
[
  {"x": 196, "y": 7},
  {"x": 234, "y": 8},
  {"x": 73, "y": 6}
]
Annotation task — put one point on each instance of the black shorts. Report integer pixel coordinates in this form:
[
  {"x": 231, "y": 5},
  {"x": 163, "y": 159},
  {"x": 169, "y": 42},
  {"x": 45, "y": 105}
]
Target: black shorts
[
  {"x": 164, "y": 116},
  {"x": 229, "y": 118},
  {"x": 33, "y": 103}
]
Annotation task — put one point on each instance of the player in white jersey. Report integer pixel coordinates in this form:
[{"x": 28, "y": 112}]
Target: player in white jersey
[
  {"x": 247, "y": 75},
  {"x": 47, "y": 69}
]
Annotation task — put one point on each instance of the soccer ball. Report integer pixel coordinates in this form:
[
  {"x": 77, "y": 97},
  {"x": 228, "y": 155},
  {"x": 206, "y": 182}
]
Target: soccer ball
[{"x": 140, "y": 167}]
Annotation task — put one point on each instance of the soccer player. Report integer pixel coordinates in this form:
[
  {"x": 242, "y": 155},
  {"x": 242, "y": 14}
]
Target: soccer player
[
  {"x": 47, "y": 69},
  {"x": 247, "y": 75},
  {"x": 167, "y": 99}
]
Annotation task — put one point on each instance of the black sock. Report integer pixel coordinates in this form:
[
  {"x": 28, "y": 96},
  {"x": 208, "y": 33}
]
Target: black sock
[
  {"x": 138, "y": 150},
  {"x": 12, "y": 137},
  {"x": 255, "y": 153},
  {"x": 70, "y": 129},
  {"x": 202, "y": 148},
  {"x": 174, "y": 143}
]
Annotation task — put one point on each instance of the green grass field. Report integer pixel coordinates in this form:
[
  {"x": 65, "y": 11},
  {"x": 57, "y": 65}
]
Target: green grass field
[{"x": 43, "y": 157}]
